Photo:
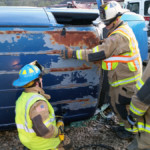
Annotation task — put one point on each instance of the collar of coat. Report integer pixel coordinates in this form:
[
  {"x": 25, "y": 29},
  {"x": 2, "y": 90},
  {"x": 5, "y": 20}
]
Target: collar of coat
[
  {"x": 115, "y": 27},
  {"x": 37, "y": 90}
]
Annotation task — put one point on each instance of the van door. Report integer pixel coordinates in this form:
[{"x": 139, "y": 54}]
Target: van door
[{"x": 28, "y": 34}]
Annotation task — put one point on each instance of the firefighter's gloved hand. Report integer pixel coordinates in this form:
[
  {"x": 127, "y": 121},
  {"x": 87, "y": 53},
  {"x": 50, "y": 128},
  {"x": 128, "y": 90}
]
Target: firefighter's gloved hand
[
  {"x": 43, "y": 70},
  {"x": 60, "y": 126},
  {"x": 67, "y": 53},
  {"x": 131, "y": 120},
  {"x": 101, "y": 41}
]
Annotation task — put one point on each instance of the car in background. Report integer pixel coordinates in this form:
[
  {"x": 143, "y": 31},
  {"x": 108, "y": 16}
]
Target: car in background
[{"x": 140, "y": 7}]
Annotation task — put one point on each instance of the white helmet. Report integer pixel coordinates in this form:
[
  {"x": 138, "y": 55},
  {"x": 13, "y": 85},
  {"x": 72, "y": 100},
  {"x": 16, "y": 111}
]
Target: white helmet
[{"x": 110, "y": 11}]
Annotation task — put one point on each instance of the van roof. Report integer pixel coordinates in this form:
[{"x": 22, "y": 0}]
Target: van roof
[{"x": 23, "y": 16}]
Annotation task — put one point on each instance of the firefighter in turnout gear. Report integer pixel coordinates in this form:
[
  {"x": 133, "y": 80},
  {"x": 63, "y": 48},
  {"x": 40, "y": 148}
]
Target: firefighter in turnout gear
[
  {"x": 139, "y": 116},
  {"x": 119, "y": 54},
  {"x": 35, "y": 117}
]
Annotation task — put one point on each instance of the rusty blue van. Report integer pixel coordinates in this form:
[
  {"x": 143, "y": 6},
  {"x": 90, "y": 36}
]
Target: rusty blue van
[{"x": 32, "y": 33}]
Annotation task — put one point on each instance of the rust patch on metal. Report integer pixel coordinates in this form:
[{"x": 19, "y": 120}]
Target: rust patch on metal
[
  {"x": 83, "y": 67},
  {"x": 74, "y": 38},
  {"x": 79, "y": 100},
  {"x": 53, "y": 52},
  {"x": 70, "y": 101},
  {"x": 1, "y": 32},
  {"x": 15, "y": 32},
  {"x": 18, "y": 37}
]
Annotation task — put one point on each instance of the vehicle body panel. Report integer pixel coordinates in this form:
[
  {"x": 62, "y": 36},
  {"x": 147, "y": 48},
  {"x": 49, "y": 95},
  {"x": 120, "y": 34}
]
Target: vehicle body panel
[
  {"x": 138, "y": 25},
  {"x": 25, "y": 36},
  {"x": 73, "y": 85}
]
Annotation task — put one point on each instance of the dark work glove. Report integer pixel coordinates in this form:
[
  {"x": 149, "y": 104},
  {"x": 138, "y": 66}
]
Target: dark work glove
[
  {"x": 131, "y": 120},
  {"x": 67, "y": 53}
]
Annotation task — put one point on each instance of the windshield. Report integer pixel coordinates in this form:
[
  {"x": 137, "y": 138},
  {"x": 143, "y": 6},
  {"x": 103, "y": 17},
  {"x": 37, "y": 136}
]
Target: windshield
[
  {"x": 134, "y": 7},
  {"x": 39, "y": 3},
  {"x": 146, "y": 6}
]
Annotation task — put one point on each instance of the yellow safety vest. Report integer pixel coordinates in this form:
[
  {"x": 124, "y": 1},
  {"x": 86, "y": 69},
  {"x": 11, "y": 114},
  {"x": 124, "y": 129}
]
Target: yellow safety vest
[
  {"x": 24, "y": 124},
  {"x": 131, "y": 58}
]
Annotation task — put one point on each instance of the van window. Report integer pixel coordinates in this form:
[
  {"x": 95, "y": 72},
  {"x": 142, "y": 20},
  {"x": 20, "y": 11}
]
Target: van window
[
  {"x": 134, "y": 7},
  {"x": 146, "y": 6}
]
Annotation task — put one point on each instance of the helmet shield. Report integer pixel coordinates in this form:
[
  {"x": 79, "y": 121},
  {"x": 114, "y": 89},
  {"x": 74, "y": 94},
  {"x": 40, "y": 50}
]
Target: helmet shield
[{"x": 102, "y": 13}]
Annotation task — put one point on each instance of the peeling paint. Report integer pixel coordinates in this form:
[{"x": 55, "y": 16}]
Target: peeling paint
[
  {"x": 72, "y": 38},
  {"x": 54, "y": 38},
  {"x": 48, "y": 52},
  {"x": 69, "y": 101},
  {"x": 77, "y": 104},
  {"x": 73, "y": 84},
  {"x": 83, "y": 67},
  {"x": 91, "y": 76},
  {"x": 68, "y": 86}
]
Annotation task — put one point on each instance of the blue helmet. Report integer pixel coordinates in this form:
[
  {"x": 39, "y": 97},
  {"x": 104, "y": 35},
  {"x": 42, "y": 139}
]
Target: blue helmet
[{"x": 27, "y": 74}]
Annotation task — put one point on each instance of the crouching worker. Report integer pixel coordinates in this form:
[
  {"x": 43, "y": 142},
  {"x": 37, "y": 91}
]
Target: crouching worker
[
  {"x": 139, "y": 116},
  {"x": 35, "y": 117}
]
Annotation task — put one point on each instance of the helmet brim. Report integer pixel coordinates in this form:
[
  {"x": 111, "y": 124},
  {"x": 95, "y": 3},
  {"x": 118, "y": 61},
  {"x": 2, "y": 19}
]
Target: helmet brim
[{"x": 19, "y": 83}]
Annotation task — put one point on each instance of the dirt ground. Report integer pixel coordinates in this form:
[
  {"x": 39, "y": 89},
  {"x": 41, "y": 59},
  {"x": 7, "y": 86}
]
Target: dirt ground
[
  {"x": 96, "y": 132},
  {"x": 85, "y": 133}
]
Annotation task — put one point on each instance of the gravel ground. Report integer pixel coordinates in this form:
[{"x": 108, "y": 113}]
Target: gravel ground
[
  {"x": 88, "y": 132},
  {"x": 95, "y": 132}
]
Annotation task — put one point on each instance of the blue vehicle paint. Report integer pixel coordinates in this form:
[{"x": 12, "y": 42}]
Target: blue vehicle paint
[
  {"x": 137, "y": 23},
  {"x": 28, "y": 34}
]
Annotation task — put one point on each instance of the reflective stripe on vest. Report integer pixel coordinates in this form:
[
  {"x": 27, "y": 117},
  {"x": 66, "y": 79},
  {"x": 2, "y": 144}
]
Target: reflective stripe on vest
[
  {"x": 132, "y": 58},
  {"x": 126, "y": 31},
  {"x": 136, "y": 111},
  {"x": 139, "y": 84},
  {"x": 20, "y": 126},
  {"x": 125, "y": 81},
  {"x": 47, "y": 122},
  {"x": 121, "y": 58}
]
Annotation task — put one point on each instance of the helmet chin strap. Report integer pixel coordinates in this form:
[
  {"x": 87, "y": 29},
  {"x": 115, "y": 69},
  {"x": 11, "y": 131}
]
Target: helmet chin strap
[
  {"x": 113, "y": 26},
  {"x": 40, "y": 85},
  {"x": 115, "y": 23}
]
